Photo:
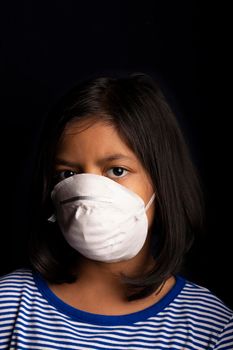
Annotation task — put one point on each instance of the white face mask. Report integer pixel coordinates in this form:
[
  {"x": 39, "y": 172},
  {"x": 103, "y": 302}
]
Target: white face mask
[{"x": 100, "y": 218}]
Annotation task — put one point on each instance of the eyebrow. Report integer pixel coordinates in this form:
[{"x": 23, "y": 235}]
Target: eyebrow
[{"x": 110, "y": 158}]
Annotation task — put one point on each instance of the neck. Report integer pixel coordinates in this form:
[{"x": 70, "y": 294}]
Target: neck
[
  {"x": 109, "y": 276},
  {"x": 99, "y": 287}
]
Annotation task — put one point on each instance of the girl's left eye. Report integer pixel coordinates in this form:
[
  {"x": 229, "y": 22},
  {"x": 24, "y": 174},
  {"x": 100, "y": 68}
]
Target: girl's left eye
[{"x": 117, "y": 172}]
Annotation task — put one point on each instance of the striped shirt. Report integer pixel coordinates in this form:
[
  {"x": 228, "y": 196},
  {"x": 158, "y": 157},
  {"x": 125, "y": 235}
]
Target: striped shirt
[{"x": 33, "y": 317}]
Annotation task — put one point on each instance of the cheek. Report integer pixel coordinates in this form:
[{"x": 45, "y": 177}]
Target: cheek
[
  {"x": 146, "y": 191},
  {"x": 141, "y": 184}
]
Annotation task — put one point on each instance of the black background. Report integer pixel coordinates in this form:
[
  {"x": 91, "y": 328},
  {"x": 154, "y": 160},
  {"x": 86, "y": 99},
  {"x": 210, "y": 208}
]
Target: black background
[{"x": 47, "y": 47}]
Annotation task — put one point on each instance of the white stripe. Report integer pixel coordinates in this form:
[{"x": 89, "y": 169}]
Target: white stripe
[
  {"x": 200, "y": 315},
  {"x": 109, "y": 333},
  {"x": 55, "y": 340}
]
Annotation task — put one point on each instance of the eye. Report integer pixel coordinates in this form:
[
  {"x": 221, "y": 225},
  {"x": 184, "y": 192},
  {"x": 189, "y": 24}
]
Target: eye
[
  {"x": 62, "y": 175},
  {"x": 116, "y": 172}
]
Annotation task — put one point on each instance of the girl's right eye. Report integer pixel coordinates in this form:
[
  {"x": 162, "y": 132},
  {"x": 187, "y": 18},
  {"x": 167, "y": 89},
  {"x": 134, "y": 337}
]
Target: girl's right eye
[{"x": 62, "y": 175}]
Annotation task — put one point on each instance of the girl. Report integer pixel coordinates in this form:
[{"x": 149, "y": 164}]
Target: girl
[{"x": 118, "y": 204}]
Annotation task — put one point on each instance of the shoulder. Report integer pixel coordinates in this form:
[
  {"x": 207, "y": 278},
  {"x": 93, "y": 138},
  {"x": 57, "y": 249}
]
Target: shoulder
[
  {"x": 207, "y": 313},
  {"x": 201, "y": 298},
  {"x": 14, "y": 287},
  {"x": 16, "y": 280},
  {"x": 17, "y": 293},
  {"x": 199, "y": 306}
]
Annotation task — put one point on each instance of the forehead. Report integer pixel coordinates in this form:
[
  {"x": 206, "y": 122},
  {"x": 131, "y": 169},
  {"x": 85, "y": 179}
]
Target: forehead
[
  {"x": 92, "y": 135},
  {"x": 78, "y": 125},
  {"x": 91, "y": 124}
]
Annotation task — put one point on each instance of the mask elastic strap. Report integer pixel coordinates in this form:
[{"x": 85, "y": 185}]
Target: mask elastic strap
[
  {"x": 52, "y": 218},
  {"x": 150, "y": 202}
]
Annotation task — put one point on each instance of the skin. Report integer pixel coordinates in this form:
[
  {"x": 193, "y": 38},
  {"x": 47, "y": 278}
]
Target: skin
[{"x": 95, "y": 147}]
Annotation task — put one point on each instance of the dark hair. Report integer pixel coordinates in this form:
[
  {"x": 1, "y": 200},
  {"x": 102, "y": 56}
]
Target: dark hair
[{"x": 138, "y": 109}]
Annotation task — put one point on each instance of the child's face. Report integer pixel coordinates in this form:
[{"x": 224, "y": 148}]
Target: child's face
[{"x": 95, "y": 147}]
